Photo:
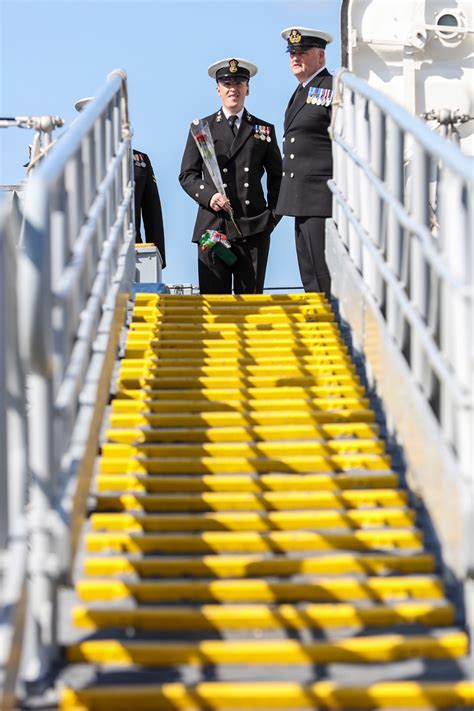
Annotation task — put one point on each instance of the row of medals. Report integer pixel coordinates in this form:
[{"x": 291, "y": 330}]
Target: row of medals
[
  {"x": 262, "y": 132},
  {"x": 319, "y": 97},
  {"x": 141, "y": 164}
]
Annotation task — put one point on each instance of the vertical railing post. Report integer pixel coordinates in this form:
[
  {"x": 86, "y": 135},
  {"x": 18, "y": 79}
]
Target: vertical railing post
[
  {"x": 36, "y": 334},
  {"x": 4, "y": 483},
  {"x": 396, "y": 241},
  {"x": 419, "y": 270}
]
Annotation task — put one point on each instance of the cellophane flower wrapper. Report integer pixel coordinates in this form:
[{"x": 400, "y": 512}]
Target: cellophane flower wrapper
[
  {"x": 201, "y": 133},
  {"x": 217, "y": 241}
]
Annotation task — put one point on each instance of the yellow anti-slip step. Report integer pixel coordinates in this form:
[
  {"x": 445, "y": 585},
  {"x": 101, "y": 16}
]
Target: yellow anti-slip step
[
  {"x": 253, "y": 521},
  {"x": 141, "y": 298},
  {"x": 246, "y": 483},
  {"x": 193, "y": 350},
  {"x": 235, "y": 617},
  {"x": 226, "y": 358},
  {"x": 353, "y": 445},
  {"x": 290, "y": 399},
  {"x": 230, "y": 329},
  {"x": 143, "y": 369},
  {"x": 137, "y": 432},
  {"x": 273, "y": 329},
  {"x": 383, "y": 648},
  {"x": 318, "y": 335},
  {"x": 235, "y": 306},
  {"x": 221, "y": 345},
  {"x": 255, "y": 542},
  {"x": 151, "y": 315},
  {"x": 265, "y": 326},
  {"x": 137, "y": 413},
  {"x": 200, "y": 402},
  {"x": 245, "y": 465},
  {"x": 182, "y": 311},
  {"x": 321, "y": 393},
  {"x": 322, "y": 364},
  {"x": 267, "y": 501},
  {"x": 242, "y": 566},
  {"x": 244, "y": 381},
  {"x": 275, "y": 695},
  {"x": 343, "y": 589}
]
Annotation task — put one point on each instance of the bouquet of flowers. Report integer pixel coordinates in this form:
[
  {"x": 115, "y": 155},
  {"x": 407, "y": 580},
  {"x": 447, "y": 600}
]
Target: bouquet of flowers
[
  {"x": 201, "y": 133},
  {"x": 212, "y": 239}
]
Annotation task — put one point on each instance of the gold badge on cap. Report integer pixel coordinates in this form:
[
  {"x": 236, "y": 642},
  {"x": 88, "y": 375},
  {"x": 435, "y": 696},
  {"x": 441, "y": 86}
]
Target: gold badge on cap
[
  {"x": 233, "y": 65},
  {"x": 294, "y": 37}
]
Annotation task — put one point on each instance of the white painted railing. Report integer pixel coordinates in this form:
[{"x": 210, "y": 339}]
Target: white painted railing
[
  {"x": 75, "y": 265},
  {"x": 403, "y": 210}
]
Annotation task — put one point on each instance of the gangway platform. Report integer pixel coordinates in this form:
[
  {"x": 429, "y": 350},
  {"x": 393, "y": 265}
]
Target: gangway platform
[{"x": 250, "y": 545}]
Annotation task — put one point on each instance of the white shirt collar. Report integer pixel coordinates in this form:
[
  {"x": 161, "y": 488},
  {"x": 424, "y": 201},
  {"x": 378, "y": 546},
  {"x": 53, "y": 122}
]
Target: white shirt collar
[
  {"x": 306, "y": 81},
  {"x": 229, "y": 113}
]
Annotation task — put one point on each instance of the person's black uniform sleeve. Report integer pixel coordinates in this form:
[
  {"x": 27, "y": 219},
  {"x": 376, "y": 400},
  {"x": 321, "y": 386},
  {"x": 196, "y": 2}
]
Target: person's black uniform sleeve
[
  {"x": 191, "y": 175},
  {"x": 152, "y": 214}
]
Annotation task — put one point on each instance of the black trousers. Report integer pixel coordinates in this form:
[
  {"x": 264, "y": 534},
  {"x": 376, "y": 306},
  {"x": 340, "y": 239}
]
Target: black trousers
[
  {"x": 310, "y": 241},
  {"x": 247, "y": 274}
]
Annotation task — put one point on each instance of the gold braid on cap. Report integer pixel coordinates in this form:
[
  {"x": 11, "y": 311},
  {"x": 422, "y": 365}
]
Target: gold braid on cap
[{"x": 294, "y": 37}]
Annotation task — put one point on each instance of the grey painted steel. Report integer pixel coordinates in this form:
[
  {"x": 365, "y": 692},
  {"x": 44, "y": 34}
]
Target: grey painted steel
[
  {"x": 76, "y": 256},
  {"x": 13, "y": 460},
  {"x": 403, "y": 271}
]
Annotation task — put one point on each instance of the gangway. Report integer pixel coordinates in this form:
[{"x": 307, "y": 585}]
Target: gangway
[{"x": 235, "y": 529}]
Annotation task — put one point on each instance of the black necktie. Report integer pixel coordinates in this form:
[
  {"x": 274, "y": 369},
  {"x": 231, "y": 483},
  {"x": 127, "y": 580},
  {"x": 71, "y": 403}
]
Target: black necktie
[
  {"x": 232, "y": 123},
  {"x": 296, "y": 94}
]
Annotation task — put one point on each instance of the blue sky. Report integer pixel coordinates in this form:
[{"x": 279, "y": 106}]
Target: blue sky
[{"x": 52, "y": 53}]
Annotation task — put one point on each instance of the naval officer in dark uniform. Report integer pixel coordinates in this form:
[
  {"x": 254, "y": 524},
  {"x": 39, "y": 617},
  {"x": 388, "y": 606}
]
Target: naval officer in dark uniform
[
  {"x": 147, "y": 198},
  {"x": 245, "y": 147},
  {"x": 148, "y": 204},
  {"x": 307, "y": 154}
]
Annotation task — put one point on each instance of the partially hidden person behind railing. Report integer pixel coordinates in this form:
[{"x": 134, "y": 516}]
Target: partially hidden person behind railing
[
  {"x": 245, "y": 147},
  {"x": 147, "y": 198},
  {"x": 307, "y": 154}
]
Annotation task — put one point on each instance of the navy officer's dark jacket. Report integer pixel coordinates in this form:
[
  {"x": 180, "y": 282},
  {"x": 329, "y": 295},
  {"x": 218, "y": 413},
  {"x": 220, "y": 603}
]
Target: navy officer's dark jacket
[
  {"x": 242, "y": 161},
  {"x": 307, "y": 151},
  {"x": 148, "y": 204}
]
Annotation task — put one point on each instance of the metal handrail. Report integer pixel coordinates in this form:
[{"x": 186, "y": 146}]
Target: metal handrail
[
  {"x": 431, "y": 142},
  {"x": 77, "y": 258},
  {"x": 403, "y": 209}
]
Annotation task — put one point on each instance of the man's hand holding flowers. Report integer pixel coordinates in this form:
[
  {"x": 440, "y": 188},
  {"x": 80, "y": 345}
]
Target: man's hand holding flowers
[{"x": 219, "y": 202}]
